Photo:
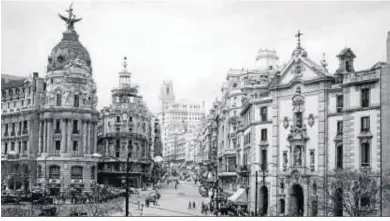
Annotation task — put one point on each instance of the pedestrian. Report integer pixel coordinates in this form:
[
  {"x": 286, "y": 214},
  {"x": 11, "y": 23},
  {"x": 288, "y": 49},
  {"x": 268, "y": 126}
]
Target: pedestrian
[
  {"x": 193, "y": 205},
  {"x": 189, "y": 205}
]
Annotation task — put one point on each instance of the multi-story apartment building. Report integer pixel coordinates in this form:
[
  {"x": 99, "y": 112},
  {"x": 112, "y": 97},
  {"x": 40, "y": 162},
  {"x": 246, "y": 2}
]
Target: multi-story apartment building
[
  {"x": 57, "y": 119},
  {"x": 176, "y": 114},
  {"x": 156, "y": 146},
  {"x": 20, "y": 103},
  {"x": 298, "y": 127},
  {"x": 125, "y": 134}
]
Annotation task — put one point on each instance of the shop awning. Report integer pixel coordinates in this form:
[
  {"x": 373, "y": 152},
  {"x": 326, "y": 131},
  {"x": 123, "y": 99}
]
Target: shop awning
[{"x": 239, "y": 197}]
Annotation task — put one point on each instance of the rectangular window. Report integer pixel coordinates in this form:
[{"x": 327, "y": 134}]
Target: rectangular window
[
  {"x": 340, "y": 128},
  {"x": 13, "y": 146},
  {"x": 263, "y": 112},
  {"x": 339, "y": 156},
  {"x": 365, "y": 154},
  {"x": 365, "y": 124},
  {"x": 25, "y": 126},
  {"x": 76, "y": 100},
  {"x": 75, "y": 127},
  {"x": 264, "y": 159},
  {"x": 58, "y": 146},
  {"x": 365, "y": 97},
  {"x": 263, "y": 134},
  {"x": 59, "y": 100},
  {"x": 339, "y": 103},
  {"x": 75, "y": 146},
  {"x": 24, "y": 146},
  {"x": 57, "y": 130}
]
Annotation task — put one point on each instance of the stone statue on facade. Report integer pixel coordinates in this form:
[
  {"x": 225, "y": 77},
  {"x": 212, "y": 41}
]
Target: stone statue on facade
[
  {"x": 67, "y": 96},
  {"x": 298, "y": 160}
]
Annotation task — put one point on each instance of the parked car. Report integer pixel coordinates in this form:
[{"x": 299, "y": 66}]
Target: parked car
[{"x": 10, "y": 199}]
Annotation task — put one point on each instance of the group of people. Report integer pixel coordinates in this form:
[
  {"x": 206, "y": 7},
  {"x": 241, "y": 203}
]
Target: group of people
[{"x": 191, "y": 205}]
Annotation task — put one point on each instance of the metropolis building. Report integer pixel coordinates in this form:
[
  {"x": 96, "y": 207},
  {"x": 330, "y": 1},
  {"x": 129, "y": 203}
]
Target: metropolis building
[
  {"x": 283, "y": 134},
  {"x": 125, "y": 131},
  {"x": 49, "y": 124}
]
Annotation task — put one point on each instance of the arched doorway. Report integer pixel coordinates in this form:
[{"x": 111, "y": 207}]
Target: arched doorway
[
  {"x": 296, "y": 202},
  {"x": 338, "y": 202},
  {"x": 263, "y": 201}
]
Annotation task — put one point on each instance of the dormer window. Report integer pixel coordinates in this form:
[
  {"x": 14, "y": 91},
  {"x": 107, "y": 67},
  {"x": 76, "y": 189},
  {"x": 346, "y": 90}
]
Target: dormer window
[{"x": 60, "y": 58}]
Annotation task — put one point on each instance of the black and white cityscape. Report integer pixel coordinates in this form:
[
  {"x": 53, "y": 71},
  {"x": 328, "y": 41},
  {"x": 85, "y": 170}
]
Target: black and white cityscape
[{"x": 214, "y": 109}]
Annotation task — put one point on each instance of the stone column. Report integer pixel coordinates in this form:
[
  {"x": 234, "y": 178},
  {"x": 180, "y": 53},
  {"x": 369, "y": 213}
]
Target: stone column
[
  {"x": 44, "y": 123},
  {"x": 88, "y": 135},
  {"x": 63, "y": 135},
  {"x": 81, "y": 137},
  {"x": 94, "y": 138},
  {"x": 69, "y": 136},
  {"x": 50, "y": 136},
  {"x": 40, "y": 138},
  {"x": 84, "y": 131}
]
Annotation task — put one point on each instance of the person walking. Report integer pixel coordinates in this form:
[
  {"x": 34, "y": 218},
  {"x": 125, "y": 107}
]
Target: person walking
[
  {"x": 189, "y": 205},
  {"x": 193, "y": 205}
]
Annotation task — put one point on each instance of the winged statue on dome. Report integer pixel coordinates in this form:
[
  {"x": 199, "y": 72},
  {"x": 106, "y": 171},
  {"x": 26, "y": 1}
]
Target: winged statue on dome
[{"x": 71, "y": 19}]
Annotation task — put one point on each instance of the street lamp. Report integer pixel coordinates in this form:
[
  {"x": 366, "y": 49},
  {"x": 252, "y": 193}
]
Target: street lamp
[{"x": 127, "y": 171}]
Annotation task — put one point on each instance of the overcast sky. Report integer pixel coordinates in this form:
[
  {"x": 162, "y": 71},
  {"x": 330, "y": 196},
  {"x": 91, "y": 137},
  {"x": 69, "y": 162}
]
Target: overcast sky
[{"x": 192, "y": 43}]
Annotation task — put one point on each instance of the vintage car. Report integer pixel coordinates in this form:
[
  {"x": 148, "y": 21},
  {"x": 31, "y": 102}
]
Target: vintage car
[
  {"x": 51, "y": 211},
  {"x": 10, "y": 199}
]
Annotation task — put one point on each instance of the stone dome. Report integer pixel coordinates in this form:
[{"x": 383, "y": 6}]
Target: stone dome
[{"x": 67, "y": 50}]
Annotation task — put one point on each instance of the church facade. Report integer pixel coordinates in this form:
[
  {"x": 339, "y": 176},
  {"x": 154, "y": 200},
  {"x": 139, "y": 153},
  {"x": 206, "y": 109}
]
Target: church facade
[{"x": 302, "y": 136}]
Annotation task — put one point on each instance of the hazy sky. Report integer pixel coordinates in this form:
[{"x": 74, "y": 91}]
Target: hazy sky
[{"x": 192, "y": 43}]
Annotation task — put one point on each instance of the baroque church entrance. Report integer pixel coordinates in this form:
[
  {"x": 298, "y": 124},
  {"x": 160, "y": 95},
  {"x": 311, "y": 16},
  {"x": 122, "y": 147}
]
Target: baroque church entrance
[{"x": 296, "y": 202}]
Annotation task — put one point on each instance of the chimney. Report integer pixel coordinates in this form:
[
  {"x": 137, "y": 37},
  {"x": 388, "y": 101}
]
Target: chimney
[{"x": 35, "y": 74}]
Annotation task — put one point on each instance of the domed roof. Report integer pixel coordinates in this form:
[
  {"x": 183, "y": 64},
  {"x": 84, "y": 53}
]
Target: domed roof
[{"x": 68, "y": 49}]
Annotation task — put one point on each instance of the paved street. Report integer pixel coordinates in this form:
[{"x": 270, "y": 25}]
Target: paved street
[{"x": 172, "y": 202}]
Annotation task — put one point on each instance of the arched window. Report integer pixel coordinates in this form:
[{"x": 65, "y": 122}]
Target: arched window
[
  {"x": 76, "y": 173},
  {"x": 339, "y": 156},
  {"x": 347, "y": 66},
  {"x": 282, "y": 206},
  {"x": 59, "y": 100},
  {"x": 118, "y": 119},
  {"x": 54, "y": 172}
]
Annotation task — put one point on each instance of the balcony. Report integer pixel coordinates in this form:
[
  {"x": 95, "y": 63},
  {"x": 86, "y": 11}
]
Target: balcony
[
  {"x": 75, "y": 131},
  {"x": 25, "y": 131},
  {"x": 12, "y": 133},
  {"x": 6, "y": 134},
  {"x": 242, "y": 169},
  {"x": 232, "y": 135},
  {"x": 362, "y": 76},
  {"x": 233, "y": 120}
]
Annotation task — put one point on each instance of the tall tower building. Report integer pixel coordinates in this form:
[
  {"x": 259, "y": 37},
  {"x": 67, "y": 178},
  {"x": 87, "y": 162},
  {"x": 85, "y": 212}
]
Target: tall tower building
[{"x": 166, "y": 94}]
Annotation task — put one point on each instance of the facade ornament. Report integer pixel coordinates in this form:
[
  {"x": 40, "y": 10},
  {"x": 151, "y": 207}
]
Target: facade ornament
[
  {"x": 298, "y": 102},
  {"x": 282, "y": 185},
  {"x": 312, "y": 160},
  {"x": 298, "y": 156},
  {"x": 285, "y": 160},
  {"x": 311, "y": 120},
  {"x": 285, "y": 123},
  {"x": 296, "y": 176}
]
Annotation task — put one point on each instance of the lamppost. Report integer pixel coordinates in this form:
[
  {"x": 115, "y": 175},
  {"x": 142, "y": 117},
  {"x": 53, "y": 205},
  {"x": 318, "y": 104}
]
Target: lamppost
[
  {"x": 127, "y": 171},
  {"x": 46, "y": 174},
  {"x": 263, "y": 168}
]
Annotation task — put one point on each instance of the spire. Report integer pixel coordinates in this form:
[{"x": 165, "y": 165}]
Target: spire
[
  {"x": 298, "y": 36},
  {"x": 125, "y": 63},
  {"x": 323, "y": 62}
]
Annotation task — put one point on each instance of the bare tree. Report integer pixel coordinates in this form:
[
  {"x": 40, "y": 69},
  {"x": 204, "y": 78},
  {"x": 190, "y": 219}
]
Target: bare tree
[
  {"x": 350, "y": 193},
  {"x": 103, "y": 209}
]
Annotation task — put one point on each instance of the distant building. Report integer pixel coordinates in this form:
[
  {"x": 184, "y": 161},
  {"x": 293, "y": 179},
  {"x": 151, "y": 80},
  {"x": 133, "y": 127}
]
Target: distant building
[
  {"x": 176, "y": 114},
  {"x": 125, "y": 132}
]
